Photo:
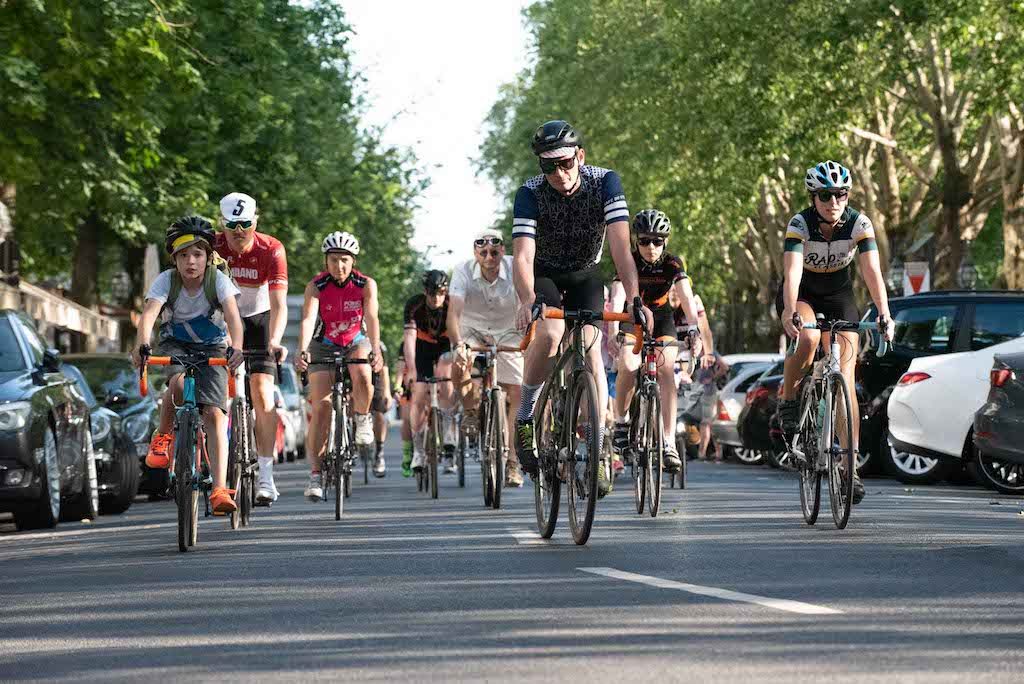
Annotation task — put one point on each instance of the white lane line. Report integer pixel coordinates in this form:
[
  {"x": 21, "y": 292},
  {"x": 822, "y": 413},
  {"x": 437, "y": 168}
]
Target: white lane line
[
  {"x": 527, "y": 538},
  {"x": 715, "y": 592},
  {"x": 75, "y": 533}
]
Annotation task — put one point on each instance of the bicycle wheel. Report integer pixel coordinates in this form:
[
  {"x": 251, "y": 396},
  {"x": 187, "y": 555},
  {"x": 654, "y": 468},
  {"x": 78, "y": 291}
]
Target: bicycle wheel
[
  {"x": 807, "y": 441},
  {"x": 460, "y": 456},
  {"x": 236, "y": 459},
  {"x": 483, "y": 444},
  {"x": 338, "y": 454},
  {"x": 500, "y": 439},
  {"x": 583, "y": 455},
  {"x": 655, "y": 452},
  {"x": 839, "y": 438},
  {"x": 637, "y": 439},
  {"x": 546, "y": 485},
  {"x": 433, "y": 450},
  {"x": 365, "y": 454},
  {"x": 186, "y": 495}
]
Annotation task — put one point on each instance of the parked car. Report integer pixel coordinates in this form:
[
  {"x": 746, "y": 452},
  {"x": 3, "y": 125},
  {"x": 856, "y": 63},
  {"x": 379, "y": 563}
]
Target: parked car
[
  {"x": 115, "y": 382},
  {"x": 928, "y": 324},
  {"x": 741, "y": 362},
  {"x": 295, "y": 413},
  {"x": 731, "y": 400},
  {"x": 754, "y": 422},
  {"x": 117, "y": 462},
  {"x": 999, "y": 426},
  {"x": 47, "y": 466}
]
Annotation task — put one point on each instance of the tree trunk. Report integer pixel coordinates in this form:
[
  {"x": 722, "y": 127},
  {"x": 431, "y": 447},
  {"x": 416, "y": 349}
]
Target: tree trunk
[
  {"x": 85, "y": 268},
  {"x": 1011, "y": 167},
  {"x": 133, "y": 257}
]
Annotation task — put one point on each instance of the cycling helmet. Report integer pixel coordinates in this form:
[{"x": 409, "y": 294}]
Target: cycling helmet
[
  {"x": 186, "y": 231},
  {"x": 435, "y": 280},
  {"x": 651, "y": 222},
  {"x": 553, "y": 136},
  {"x": 340, "y": 242},
  {"x": 828, "y": 175}
]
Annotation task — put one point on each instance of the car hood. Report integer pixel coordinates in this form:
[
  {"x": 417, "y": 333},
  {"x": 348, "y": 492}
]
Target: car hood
[{"x": 15, "y": 385}]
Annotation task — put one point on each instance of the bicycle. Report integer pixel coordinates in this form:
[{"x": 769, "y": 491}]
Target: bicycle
[
  {"x": 426, "y": 477},
  {"x": 820, "y": 445},
  {"x": 567, "y": 407},
  {"x": 493, "y": 437},
  {"x": 339, "y": 457},
  {"x": 190, "y": 455}
]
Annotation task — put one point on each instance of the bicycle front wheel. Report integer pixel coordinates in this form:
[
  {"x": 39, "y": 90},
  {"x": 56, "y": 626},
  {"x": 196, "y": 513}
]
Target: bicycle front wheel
[
  {"x": 460, "y": 456},
  {"x": 186, "y": 493},
  {"x": 655, "y": 452},
  {"x": 637, "y": 438},
  {"x": 338, "y": 450},
  {"x": 484, "y": 448},
  {"x": 547, "y": 431},
  {"x": 500, "y": 442},
  {"x": 433, "y": 450},
  {"x": 236, "y": 458},
  {"x": 807, "y": 441},
  {"x": 584, "y": 455},
  {"x": 839, "y": 436}
]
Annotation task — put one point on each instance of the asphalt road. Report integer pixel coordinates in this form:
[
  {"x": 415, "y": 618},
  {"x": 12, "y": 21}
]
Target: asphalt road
[{"x": 727, "y": 584}]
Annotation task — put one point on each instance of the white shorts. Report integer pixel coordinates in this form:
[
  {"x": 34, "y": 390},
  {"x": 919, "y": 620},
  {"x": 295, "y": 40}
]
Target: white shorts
[{"x": 509, "y": 365}]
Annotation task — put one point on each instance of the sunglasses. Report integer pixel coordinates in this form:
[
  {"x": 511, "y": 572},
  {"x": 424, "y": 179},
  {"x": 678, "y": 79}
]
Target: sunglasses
[
  {"x": 238, "y": 225},
  {"x": 494, "y": 241},
  {"x": 645, "y": 242},
  {"x": 549, "y": 165},
  {"x": 488, "y": 253},
  {"x": 826, "y": 195}
]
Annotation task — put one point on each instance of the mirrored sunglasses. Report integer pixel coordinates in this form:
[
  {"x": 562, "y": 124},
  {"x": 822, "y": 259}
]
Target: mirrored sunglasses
[
  {"x": 238, "y": 225},
  {"x": 827, "y": 195}
]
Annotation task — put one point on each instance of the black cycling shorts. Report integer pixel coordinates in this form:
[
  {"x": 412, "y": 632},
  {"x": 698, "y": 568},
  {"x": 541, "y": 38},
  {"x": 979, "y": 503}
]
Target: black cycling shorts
[
  {"x": 575, "y": 291},
  {"x": 256, "y": 337},
  {"x": 838, "y": 305},
  {"x": 427, "y": 356}
]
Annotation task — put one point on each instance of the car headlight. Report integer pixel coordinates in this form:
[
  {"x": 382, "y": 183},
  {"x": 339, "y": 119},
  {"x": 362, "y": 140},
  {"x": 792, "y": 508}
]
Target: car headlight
[
  {"x": 137, "y": 427},
  {"x": 14, "y": 415},
  {"x": 100, "y": 427}
]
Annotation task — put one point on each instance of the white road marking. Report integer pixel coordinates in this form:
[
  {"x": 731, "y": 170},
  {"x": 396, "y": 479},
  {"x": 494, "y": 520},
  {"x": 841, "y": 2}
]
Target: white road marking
[
  {"x": 527, "y": 538},
  {"x": 715, "y": 592},
  {"x": 75, "y": 533}
]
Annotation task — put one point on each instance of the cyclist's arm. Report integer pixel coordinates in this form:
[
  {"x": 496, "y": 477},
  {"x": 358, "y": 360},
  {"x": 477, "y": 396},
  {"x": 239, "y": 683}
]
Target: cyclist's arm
[
  {"x": 310, "y": 309},
  {"x": 685, "y": 293},
  {"x": 793, "y": 271},
  {"x": 409, "y": 342},
  {"x": 278, "y": 316},
  {"x": 371, "y": 315},
  {"x": 618, "y": 243},
  {"x": 229, "y": 307},
  {"x": 617, "y": 298},
  {"x": 706, "y": 338},
  {"x": 524, "y": 249},
  {"x": 871, "y": 270},
  {"x": 456, "y": 305},
  {"x": 150, "y": 312}
]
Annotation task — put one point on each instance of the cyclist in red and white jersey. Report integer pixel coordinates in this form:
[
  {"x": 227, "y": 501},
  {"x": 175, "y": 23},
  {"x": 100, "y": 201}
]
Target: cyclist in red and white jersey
[{"x": 260, "y": 269}]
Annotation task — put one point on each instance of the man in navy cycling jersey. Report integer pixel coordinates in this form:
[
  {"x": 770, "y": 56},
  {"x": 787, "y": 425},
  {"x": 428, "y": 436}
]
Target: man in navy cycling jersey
[{"x": 560, "y": 220}]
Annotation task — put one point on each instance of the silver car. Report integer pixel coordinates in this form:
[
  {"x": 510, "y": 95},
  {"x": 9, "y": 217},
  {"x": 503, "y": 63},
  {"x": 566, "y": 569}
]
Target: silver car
[
  {"x": 294, "y": 413},
  {"x": 744, "y": 370}
]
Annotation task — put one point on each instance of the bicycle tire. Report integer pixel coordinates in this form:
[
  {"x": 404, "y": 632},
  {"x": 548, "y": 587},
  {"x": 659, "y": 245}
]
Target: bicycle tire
[
  {"x": 656, "y": 452},
  {"x": 582, "y": 493},
  {"x": 810, "y": 476},
  {"x": 483, "y": 442},
  {"x": 460, "y": 457},
  {"x": 185, "y": 495},
  {"x": 338, "y": 454},
  {"x": 636, "y": 434},
  {"x": 500, "y": 440},
  {"x": 236, "y": 459},
  {"x": 433, "y": 445},
  {"x": 547, "y": 485},
  {"x": 366, "y": 467},
  {"x": 346, "y": 472},
  {"x": 840, "y": 479}
]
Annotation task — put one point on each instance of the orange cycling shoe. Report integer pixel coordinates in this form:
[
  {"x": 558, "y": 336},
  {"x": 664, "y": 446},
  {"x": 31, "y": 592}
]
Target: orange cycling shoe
[
  {"x": 223, "y": 500},
  {"x": 160, "y": 449}
]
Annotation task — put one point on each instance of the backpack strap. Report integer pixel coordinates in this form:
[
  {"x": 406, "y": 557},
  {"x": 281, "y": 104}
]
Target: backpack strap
[
  {"x": 210, "y": 286},
  {"x": 173, "y": 292}
]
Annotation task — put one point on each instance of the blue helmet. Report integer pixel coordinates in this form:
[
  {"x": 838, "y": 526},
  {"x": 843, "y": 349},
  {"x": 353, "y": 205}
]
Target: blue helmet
[{"x": 827, "y": 175}]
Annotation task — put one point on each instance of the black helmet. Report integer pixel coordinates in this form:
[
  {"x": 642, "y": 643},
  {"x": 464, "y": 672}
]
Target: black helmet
[
  {"x": 651, "y": 222},
  {"x": 435, "y": 280},
  {"x": 195, "y": 226},
  {"x": 553, "y": 135}
]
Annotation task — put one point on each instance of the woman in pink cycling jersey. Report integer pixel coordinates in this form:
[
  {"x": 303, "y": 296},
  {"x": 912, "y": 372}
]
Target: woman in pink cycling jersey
[{"x": 338, "y": 302}]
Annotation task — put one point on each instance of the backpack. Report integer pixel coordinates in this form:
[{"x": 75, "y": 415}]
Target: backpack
[{"x": 219, "y": 263}]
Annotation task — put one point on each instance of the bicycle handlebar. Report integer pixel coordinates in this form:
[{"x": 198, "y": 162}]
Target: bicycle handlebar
[
  {"x": 169, "y": 360},
  {"x": 586, "y": 316},
  {"x": 478, "y": 349},
  {"x": 845, "y": 326}
]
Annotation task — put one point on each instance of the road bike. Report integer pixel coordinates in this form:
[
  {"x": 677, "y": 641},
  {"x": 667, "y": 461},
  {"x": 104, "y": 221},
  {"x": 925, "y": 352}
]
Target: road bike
[
  {"x": 493, "y": 437},
  {"x": 567, "y": 428},
  {"x": 823, "y": 442},
  {"x": 426, "y": 476},
  {"x": 191, "y": 461}
]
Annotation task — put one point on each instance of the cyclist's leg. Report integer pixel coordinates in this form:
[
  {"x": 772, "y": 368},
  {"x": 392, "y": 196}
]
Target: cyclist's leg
[
  {"x": 262, "y": 375},
  {"x": 215, "y": 422},
  {"x": 796, "y": 366},
  {"x": 426, "y": 356},
  {"x": 362, "y": 390},
  {"x": 667, "y": 389},
  {"x": 321, "y": 378},
  {"x": 625, "y": 383}
]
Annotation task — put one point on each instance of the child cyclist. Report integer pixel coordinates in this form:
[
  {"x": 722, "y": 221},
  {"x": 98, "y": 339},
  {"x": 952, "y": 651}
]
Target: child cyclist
[{"x": 192, "y": 322}]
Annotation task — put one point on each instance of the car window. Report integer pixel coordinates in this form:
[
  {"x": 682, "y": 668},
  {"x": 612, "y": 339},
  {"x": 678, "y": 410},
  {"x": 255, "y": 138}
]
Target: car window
[
  {"x": 28, "y": 331},
  {"x": 996, "y": 322},
  {"x": 925, "y": 329},
  {"x": 288, "y": 381},
  {"x": 109, "y": 375},
  {"x": 746, "y": 383},
  {"x": 11, "y": 358}
]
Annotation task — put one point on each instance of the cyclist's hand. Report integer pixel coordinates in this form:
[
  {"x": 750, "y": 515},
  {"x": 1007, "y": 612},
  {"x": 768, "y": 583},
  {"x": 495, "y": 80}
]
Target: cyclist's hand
[
  {"x": 376, "y": 359},
  {"x": 886, "y": 327},
  {"x": 302, "y": 361},
  {"x": 235, "y": 358},
  {"x": 792, "y": 324},
  {"x": 139, "y": 354},
  {"x": 707, "y": 361},
  {"x": 277, "y": 352},
  {"x": 524, "y": 315}
]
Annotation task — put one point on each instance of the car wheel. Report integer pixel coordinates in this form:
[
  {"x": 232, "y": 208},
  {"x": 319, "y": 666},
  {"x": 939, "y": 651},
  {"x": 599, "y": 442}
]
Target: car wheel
[
  {"x": 1005, "y": 477},
  {"x": 912, "y": 468},
  {"x": 45, "y": 511},
  {"x": 128, "y": 485},
  {"x": 865, "y": 462},
  {"x": 750, "y": 457},
  {"x": 86, "y": 504}
]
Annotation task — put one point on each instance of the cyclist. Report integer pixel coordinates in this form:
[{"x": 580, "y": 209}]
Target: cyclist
[
  {"x": 428, "y": 354},
  {"x": 190, "y": 322},
  {"x": 405, "y": 408},
  {"x": 380, "y": 406},
  {"x": 337, "y": 303},
  {"x": 660, "y": 272},
  {"x": 260, "y": 268},
  {"x": 482, "y": 307},
  {"x": 560, "y": 220},
  {"x": 820, "y": 245}
]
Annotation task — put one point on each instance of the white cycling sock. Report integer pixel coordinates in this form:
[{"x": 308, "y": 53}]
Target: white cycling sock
[{"x": 266, "y": 468}]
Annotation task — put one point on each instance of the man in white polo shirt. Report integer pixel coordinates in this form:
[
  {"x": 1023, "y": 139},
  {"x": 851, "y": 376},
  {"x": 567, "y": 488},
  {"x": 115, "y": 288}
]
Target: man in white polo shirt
[{"x": 482, "y": 305}]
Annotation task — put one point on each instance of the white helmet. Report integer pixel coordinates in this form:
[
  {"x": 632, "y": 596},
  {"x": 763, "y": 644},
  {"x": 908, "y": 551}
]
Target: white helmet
[
  {"x": 827, "y": 175},
  {"x": 340, "y": 242}
]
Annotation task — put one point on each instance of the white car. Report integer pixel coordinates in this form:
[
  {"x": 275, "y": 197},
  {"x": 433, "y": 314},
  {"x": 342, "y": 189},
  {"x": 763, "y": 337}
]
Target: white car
[{"x": 931, "y": 409}]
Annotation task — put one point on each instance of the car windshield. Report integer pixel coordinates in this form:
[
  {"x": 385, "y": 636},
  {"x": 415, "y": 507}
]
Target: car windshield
[
  {"x": 287, "y": 384},
  {"x": 736, "y": 368},
  {"x": 775, "y": 369},
  {"x": 76, "y": 376},
  {"x": 11, "y": 358},
  {"x": 116, "y": 374}
]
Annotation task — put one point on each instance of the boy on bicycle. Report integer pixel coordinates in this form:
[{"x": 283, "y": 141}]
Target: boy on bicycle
[{"x": 196, "y": 318}]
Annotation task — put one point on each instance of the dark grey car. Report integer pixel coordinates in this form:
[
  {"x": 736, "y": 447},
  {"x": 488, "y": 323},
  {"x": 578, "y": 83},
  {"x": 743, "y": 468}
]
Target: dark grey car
[{"x": 999, "y": 426}]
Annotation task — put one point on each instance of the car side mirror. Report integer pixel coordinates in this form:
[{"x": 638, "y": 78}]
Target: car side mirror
[{"x": 51, "y": 360}]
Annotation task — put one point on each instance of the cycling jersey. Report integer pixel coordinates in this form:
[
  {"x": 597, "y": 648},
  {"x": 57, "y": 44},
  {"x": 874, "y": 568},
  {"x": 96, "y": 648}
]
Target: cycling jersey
[
  {"x": 569, "y": 230},
  {"x": 827, "y": 262},
  {"x": 340, "y": 317},
  {"x": 431, "y": 325},
  {"x": 656, "y": 279},
  {"x": 261, "y": 269}
]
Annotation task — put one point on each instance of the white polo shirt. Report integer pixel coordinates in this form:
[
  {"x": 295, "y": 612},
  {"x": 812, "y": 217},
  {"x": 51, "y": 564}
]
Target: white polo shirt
[{"x": 489, "y": 307}]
